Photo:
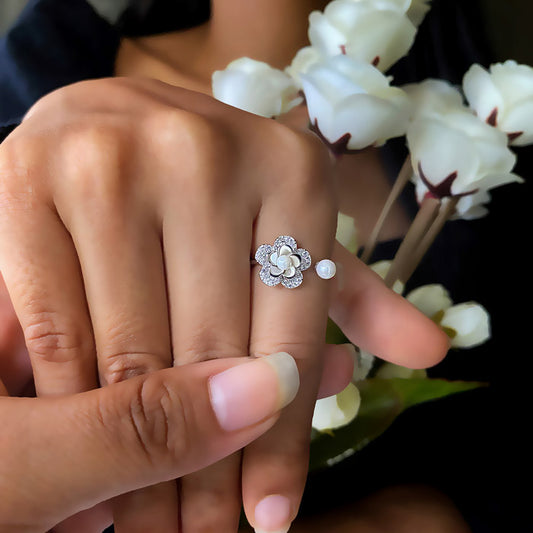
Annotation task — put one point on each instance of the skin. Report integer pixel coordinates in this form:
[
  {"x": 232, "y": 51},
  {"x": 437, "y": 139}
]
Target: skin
[{"x": 150, "y": 195}]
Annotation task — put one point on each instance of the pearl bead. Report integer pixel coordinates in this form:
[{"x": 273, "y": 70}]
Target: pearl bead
[
  {"x": 325, "y": 269},
  {"x": 283, "y": 262}
]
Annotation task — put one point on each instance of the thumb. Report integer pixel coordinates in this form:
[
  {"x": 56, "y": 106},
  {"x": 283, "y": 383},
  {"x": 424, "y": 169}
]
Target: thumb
[{"x": 67, "y": 454}]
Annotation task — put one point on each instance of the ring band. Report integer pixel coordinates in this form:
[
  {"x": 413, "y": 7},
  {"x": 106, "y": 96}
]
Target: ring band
[{"x": 283, "y": 262}]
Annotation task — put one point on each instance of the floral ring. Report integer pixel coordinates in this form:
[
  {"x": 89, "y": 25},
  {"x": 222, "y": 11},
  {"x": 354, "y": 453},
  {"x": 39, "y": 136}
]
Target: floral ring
[{"x": 283, "y": 262}]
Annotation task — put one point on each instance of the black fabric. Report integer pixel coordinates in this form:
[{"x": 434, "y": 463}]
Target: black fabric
[
  {"x": 6, "y": 130},
  {"x": 150, "y": 18},
  {"x": 53, "y": 43}
]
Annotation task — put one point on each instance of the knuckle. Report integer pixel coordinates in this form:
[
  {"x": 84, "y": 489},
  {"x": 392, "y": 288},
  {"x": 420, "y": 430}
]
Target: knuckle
[
  {"x": 202, "y": 147},
  {"x": 93, "y": 153},
  {"x": 308, "y": 173},
  {"x": 204, "y": 347},
  {"x": 160, "y": 420},
  {"x": 120, "y": 366},
  {"x": 17, "y": 183},
  {"x": 52, "y": 341}
]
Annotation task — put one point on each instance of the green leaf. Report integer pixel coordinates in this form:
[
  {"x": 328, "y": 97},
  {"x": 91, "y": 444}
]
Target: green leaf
[{"x": 382, "y": 400}]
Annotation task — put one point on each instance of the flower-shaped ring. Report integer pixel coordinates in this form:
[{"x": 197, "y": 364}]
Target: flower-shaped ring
[{"x": 283, "y": 262}]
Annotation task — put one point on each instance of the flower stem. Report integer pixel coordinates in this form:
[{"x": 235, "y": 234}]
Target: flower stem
[
  {"x": 446, "y": 210},
  {"x": 403, "y": 260},
  {"x": 401, "y": 181}
]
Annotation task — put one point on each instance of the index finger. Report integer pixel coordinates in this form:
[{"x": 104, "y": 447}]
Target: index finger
[{"x": 380, "y": 321}]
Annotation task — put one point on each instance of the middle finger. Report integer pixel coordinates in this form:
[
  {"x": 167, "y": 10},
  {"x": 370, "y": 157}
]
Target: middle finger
[{"x": 209, "y": 297}]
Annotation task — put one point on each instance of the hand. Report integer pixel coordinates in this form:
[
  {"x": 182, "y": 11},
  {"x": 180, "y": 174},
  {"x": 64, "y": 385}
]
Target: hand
[
  {"x": 15, "y": 370},
  {"x": 124, "y": 199},
  {"x": 61, "y": 455}
]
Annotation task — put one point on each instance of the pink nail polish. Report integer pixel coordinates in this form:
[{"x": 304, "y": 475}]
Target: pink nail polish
[
  {"x": 273, "y": 514},
  {"x": 247, "y": 394}
]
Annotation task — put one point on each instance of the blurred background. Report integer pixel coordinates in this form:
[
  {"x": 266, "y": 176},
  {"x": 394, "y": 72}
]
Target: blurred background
[{"x": 507, "y": 24}]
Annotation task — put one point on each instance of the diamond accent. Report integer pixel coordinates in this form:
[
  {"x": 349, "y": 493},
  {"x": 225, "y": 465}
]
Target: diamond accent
[
  {"x": 263, "y": 253},
  {"x": 295, "y": 281}
]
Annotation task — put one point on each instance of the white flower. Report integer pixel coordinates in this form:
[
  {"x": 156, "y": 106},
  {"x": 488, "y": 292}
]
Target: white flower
[
  {"x": 377, "y": 32},
  {"x": 351, "y": 103},
  {"x": 456, "y": 154},
  {"x": 346, "y": 232},
  {"x": 430, "y": 299},
  {"x": 381, "y": 268},
  {"x": 255, "y": 87},
  {"x": 469, "y": 322},
  {"x": 302, "y": 61},
  {"x": 363, "y": 365},
  {"x": 472, "y": 206},
  {"x": 433, "y": 97},
  {"x": 337, "y": 411},
  {"x": 503, "y": 97}
]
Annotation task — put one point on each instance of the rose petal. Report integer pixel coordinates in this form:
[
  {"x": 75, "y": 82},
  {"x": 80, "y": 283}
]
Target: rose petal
[
  {"x": 276, "y": 271},
  {"x": 290, "y": 272}
]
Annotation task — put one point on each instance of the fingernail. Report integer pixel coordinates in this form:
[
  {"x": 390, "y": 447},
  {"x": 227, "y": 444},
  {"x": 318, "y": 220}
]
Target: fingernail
[
  {"x": 247, "y": 394},
  {"x": 272, "y": 514}
]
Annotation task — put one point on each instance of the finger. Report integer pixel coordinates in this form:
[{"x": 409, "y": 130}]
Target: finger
[
  {"x": 380, "y": 321},
  {"x": 337, "y": 370},
  {"x": 212, "y": 497},
  {"x": 15, "y": 366},
  {"x": 295, "y": 320},
  {"x": 122, "y": 263},
  {"x": 42, "y": 274},
  {"x": 140, "y": 432},
  {"x": 209, "y": 294}
]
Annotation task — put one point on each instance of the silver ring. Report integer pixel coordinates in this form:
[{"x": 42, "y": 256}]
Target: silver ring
[{"x": 283, "y": 262}]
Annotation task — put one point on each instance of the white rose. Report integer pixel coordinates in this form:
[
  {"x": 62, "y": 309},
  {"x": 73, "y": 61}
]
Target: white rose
[
  {"x": 433, "y": 97},
  {"x": 255, "y": 87},
  {"x": 416, "y": 10},
  {"x": 377, "y": 32},
  {"x": 430, "y": 299},
  {"x": 469, "y": 322},
  {"x": 302, "y": 62},
  {"x": 381, "y": 268},
  {"x": 457, "y": 154},
  {"x": 363, "y": 365},
  {"x": 337, "y": 411},
  {"x": 351, "y": 101},
  {"x": 503, "y": 97},
  {"x": 472, "y": 206}
]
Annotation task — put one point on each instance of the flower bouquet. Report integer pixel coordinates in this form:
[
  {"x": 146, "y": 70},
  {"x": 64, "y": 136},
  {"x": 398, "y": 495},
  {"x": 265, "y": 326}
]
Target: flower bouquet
[{"x": 459, "y": 142}]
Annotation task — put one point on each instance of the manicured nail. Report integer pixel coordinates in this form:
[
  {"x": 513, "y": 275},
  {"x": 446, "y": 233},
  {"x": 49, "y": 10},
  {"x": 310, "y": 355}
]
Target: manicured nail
[
  {"x": 248, "y": 393},
  {"x": 273, "y": 514}
]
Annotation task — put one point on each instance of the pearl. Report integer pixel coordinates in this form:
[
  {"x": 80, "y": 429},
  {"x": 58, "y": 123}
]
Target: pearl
[
  {"x": 284, "y": 262},
  {"x": 326, "y": 269}
]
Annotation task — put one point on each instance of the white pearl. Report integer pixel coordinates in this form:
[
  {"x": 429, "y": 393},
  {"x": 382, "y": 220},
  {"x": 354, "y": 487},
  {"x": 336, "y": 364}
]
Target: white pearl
[
  {"x": 284, "y": 262},
  {"x": 325, "y": 269}
]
